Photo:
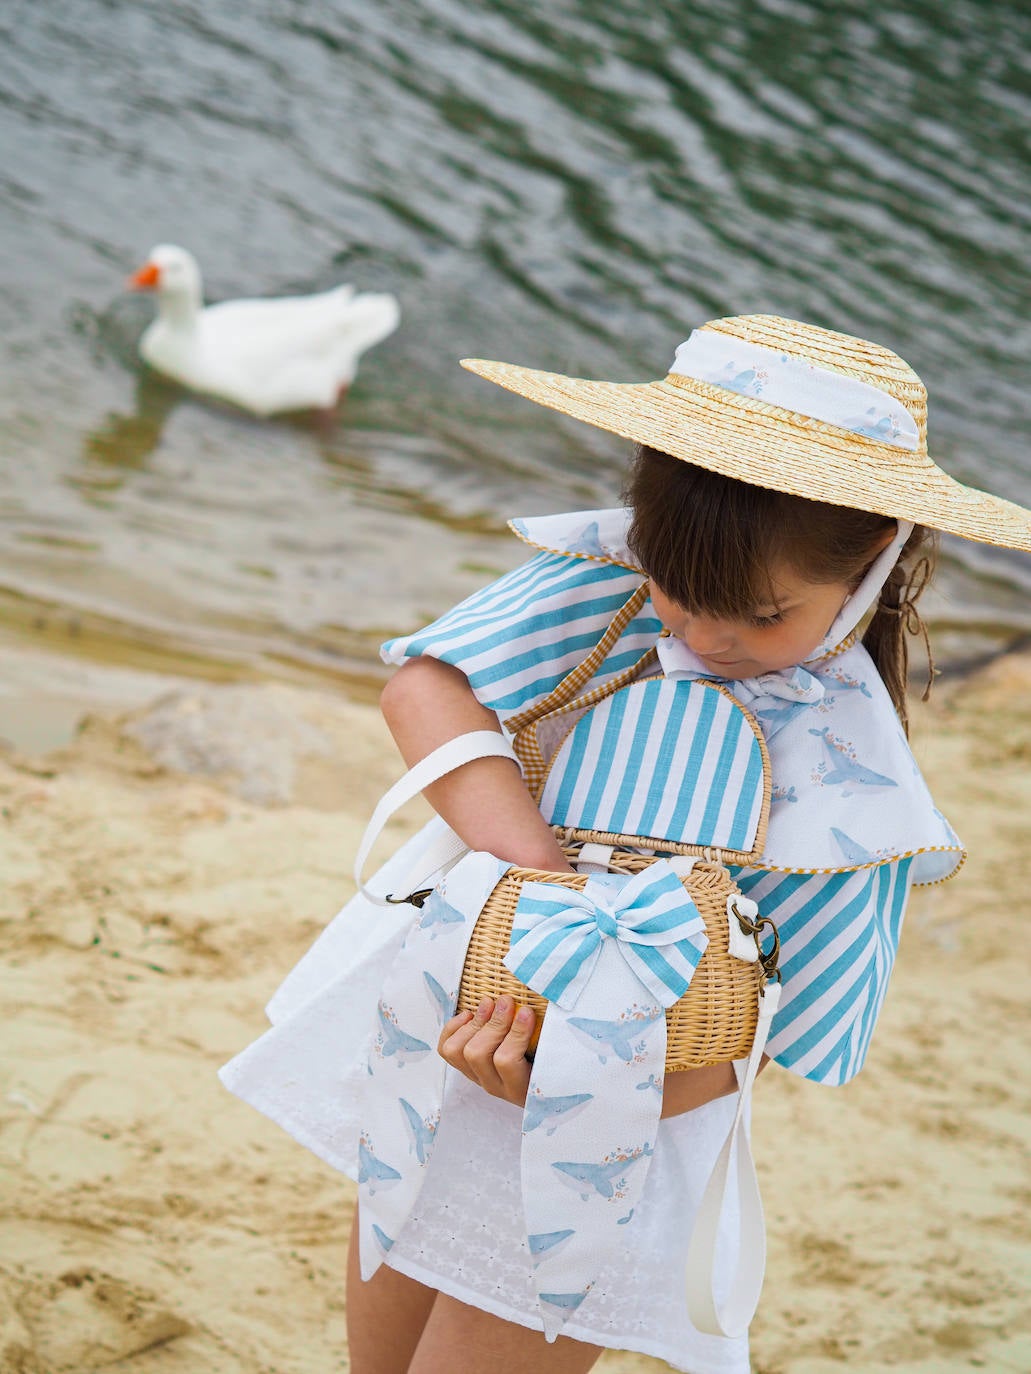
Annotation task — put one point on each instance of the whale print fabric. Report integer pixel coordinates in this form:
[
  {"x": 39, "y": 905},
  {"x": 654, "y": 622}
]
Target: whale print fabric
[
  {"x": 610, "y": 959},
  {"x": 588, "y": 1134},
  {"x": 404, "y": 1083}
]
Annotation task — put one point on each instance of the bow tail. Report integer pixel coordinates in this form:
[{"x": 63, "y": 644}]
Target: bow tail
[
  {"x": 404, "y": 1086},
  {"x": 589, "y": 1129}
]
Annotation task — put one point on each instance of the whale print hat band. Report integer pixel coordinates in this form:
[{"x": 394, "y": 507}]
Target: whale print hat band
[{"x": 792, "y": 407}]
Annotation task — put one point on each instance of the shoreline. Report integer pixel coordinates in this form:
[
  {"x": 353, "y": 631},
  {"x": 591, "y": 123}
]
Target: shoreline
[{"x": 155, "y": 1223}]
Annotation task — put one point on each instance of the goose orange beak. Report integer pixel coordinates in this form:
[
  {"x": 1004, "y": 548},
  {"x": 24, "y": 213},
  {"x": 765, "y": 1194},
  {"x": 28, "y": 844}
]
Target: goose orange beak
[{"x": 146, "y": 279}]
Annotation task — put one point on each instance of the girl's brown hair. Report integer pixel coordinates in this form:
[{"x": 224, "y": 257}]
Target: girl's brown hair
[{"x": 709, "y": 543}]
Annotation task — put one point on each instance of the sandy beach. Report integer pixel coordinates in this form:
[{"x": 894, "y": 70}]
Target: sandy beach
[{"x": 152, "y": 1223}]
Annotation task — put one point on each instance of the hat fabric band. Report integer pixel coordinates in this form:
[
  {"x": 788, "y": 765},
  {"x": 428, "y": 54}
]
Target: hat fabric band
[{"x": 792, "y": 383}]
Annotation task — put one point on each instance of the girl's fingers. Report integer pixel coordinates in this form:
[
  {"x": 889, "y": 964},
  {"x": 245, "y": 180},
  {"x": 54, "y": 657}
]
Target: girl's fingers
[
  {"x": 457, "y": 1033},
  {"x": 473, "y": 1046},
  {"x": 510, "y": 1062},
  {"x": 483, "y": 1045},
  {"x": 489, "y": 1047}
]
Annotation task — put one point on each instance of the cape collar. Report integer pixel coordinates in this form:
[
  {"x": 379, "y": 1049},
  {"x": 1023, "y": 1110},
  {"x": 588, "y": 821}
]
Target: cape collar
[{"x": 601, "y": 535}]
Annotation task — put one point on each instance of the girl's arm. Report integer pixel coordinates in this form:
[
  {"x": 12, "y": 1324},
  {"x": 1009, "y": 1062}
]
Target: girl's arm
[{"x": 425, "y": 704}]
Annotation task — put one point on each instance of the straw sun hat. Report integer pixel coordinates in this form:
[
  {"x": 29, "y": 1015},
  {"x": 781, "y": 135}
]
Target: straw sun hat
[{"x": 789, "y": 406}]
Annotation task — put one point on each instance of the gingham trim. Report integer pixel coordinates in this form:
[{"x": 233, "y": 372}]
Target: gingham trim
[{"x": 535, "y": 766}]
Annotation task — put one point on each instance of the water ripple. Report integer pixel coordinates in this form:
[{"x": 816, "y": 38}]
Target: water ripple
[{"x": 572, "y": 186}]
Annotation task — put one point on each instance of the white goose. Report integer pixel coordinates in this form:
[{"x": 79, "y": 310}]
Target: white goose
[{"x": 294, "y": 353}]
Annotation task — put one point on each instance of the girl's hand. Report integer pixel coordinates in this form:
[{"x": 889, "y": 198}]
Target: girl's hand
[{"x": 489, "y": 1046}]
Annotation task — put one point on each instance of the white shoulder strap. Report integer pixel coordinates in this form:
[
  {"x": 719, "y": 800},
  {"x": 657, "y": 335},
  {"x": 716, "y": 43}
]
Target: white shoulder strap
[
  {"x": 733, "y": 1317},
  {"x": 477, "y": 744}
]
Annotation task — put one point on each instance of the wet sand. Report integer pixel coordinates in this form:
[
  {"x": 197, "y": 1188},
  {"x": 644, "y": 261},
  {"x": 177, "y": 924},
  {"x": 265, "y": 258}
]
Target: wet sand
[{"x": 153, "y": 1223}]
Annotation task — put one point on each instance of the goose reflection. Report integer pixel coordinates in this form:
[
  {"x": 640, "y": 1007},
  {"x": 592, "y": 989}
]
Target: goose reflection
[{"x": 126, "y": 441}]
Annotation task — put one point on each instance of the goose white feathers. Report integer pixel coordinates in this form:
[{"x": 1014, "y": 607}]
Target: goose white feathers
[{"x": 267, "y": 356}]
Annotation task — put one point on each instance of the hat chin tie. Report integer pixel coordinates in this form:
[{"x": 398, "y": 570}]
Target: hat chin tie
[{"x": 865, "y": 595}]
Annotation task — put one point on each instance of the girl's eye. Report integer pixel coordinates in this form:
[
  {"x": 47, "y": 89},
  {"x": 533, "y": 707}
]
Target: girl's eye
[{"x": 762, "y": 622}]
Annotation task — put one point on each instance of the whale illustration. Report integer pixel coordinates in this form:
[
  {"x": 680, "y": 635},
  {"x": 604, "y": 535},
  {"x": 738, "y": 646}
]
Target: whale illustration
[
  {"x": 587, "y": 542},
  {"x": 599, "y": 1177},
  {"x": 882, "y": 427},
  {"x": 545, "y": 1244},
  {"x": 852, "y": 849},
  {"x": 615, "y": 1037},
  {"x": 373, "y": 1171},
  {"x": 842, "y": 769},
  {"x": 443, "y": 1002},
  {"x": 774, "y": 718},
  {"x": 382, "y": 1239},
  {"x": 438, "y": 915},
  {"x": 422, "y": 1132},
  {"x": 565, "y": 1302},
  {"x": 746, "y": 383},
  {"x": 551, "y": 1112},
  {"x": 396, "y": 1043}
]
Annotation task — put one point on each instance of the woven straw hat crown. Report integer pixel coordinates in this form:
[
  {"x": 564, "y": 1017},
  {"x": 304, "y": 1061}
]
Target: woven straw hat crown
[{"x": 748, "y": 438}]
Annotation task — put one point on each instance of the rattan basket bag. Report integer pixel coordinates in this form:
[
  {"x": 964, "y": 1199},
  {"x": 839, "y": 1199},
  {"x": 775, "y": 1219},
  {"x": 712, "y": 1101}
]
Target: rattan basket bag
[{"x": 716, "y": 1018}]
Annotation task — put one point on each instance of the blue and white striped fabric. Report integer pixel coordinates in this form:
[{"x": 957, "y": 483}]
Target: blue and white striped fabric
[
  {"x": 839, "y": 934},
  {"x": 841, "y": 853},
  {"x": 557, "y": 934},
  {"x": 519, "y": 637},
  {"x": 617, "y": 771}
]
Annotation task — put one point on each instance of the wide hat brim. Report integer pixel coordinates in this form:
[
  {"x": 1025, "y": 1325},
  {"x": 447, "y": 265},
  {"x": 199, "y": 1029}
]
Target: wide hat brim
[{"x": 768, "y": 446}]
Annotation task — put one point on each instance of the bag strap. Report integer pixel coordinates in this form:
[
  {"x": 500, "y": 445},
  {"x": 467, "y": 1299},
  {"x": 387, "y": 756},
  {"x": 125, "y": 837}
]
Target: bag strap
[
  {"x": 582, "y": 673},
  {"x": 477, "y": 744},
  {"x": 733, "y": 1317}
]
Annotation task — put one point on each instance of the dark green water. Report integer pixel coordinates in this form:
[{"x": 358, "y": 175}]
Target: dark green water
[{"x": 574, "y": 185}]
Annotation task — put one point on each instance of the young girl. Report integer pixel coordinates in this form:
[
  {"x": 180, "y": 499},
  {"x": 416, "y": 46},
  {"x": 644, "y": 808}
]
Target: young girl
[{"x": 780, "y": 492}]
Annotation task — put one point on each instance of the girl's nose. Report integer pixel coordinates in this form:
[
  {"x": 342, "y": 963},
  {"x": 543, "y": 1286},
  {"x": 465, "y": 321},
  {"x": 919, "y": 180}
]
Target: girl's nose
[{"x": 706, "y": 637}]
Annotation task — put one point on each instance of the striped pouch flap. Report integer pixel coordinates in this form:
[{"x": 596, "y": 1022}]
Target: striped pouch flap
[{"x": 667, "y": 764}]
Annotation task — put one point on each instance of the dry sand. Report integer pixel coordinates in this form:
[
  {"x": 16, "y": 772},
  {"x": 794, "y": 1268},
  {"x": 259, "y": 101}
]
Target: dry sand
[{"x": 152, "y": 1223}]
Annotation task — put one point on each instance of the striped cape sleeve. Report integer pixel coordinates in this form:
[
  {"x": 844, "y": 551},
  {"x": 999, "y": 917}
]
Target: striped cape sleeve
[
  {"x": 839, "y": 935},
  {"x": 520, "y": 636}
]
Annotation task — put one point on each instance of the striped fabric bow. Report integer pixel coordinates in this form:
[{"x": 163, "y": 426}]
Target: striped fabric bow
[{"x": 557, "y": 933}]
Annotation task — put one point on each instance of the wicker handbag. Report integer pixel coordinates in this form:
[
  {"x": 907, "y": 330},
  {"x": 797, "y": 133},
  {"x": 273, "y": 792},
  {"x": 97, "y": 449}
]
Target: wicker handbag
[{"x": 713, "y": 1022}]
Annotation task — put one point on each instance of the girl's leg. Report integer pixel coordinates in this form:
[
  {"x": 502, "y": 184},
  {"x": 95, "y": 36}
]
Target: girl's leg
[
  {"x": 385, "y": 1317},
  {"x": 458, "y": 1335}
]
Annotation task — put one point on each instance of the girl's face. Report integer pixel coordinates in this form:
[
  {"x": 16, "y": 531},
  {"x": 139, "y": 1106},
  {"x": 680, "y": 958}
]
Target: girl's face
[{"x": 778, "y": 635}]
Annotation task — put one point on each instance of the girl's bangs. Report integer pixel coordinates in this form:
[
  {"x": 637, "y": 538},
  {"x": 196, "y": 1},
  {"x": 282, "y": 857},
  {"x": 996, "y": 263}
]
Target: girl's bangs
[{"x": 708, "y": 545}]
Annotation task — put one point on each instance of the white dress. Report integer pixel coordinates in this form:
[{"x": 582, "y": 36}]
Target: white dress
[{"x": 465, "y": 1237}]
